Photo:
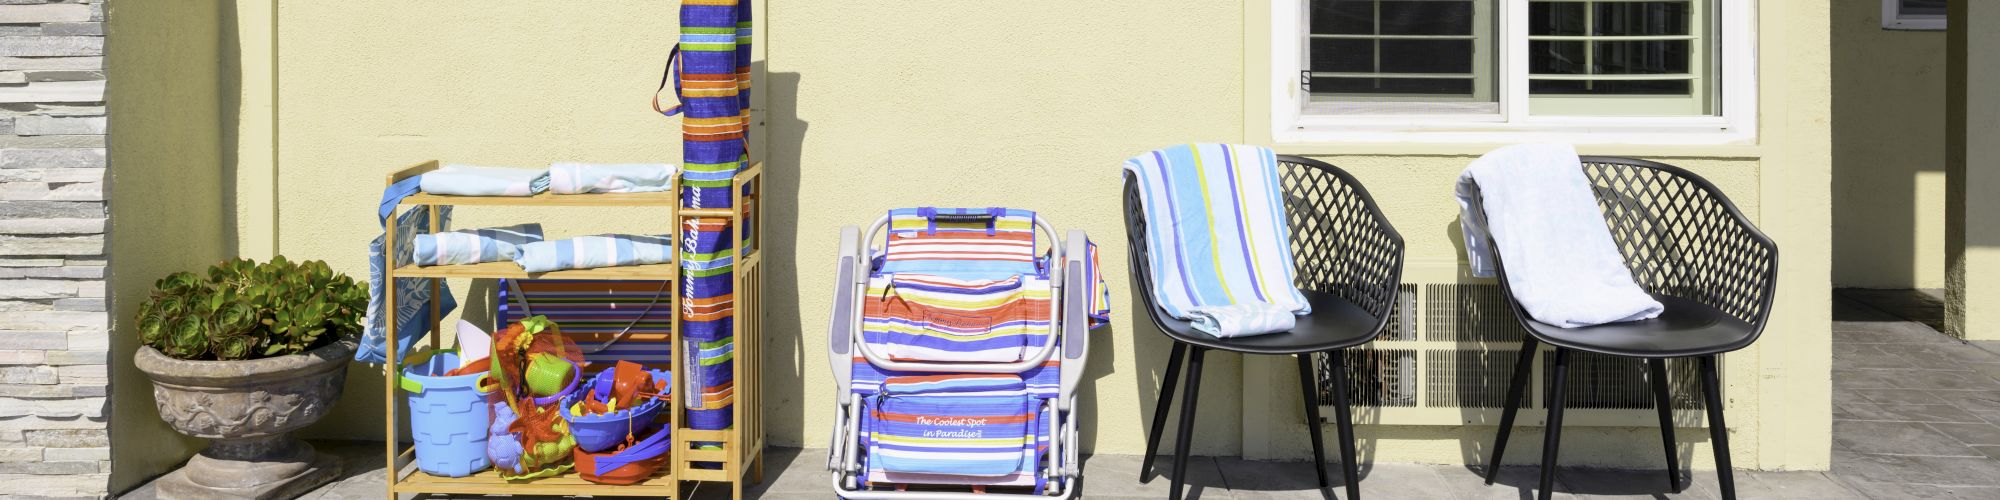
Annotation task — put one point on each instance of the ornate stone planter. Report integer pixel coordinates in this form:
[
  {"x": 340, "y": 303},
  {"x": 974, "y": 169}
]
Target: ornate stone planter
[{"x": 248, "y": 408}]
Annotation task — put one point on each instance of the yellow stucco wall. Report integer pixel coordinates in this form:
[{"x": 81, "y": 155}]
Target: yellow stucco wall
[
  {"x": 1010, "y": 106},
  {"x": 168, "y": 211},
  {"x": 1888, "y": 161}
]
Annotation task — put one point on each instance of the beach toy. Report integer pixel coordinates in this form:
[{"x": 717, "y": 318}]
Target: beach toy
[
  {"x": 628, "y": 465},
  {"x": 548, "y": 374},
  {"x": 503, "y": 447},
  {"x": 474, "y": 344},
  {"x": 627, "y": 379},
  {"x": 448, "y": 417},
  {"x": 599, "y": 432}
]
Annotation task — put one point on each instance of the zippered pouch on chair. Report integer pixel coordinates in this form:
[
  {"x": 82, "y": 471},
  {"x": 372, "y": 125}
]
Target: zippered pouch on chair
[
  {"x": 942, "y": 429},
  {"x": 915, "y": 317}
]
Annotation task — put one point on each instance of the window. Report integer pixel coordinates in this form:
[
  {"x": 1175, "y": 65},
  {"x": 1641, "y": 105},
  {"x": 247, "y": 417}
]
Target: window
[
  {"x": 1632, "y": 66},
  {"x": 1913, "y": 14}
]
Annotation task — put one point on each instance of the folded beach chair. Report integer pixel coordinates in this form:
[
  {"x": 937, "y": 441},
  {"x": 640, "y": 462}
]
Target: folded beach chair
[{"x": 957, "y": 347}]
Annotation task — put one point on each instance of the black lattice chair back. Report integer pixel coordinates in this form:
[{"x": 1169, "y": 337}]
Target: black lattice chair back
[{"x": 1682, "y": 238}]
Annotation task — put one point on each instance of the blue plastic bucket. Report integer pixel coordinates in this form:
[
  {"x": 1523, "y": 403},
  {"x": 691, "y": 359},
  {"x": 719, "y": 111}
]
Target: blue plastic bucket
[
  {"x": 596, "y": 433},
  {"x": 448, "y": 417}
]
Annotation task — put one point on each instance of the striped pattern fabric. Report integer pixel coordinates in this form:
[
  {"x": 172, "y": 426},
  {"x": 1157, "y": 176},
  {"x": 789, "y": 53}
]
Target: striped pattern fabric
[
  {"x": 1218, "y": 233},
  {"x": 1094, "y": 287},
  {"x": 914, "y": 317},
  {"x": 967, "y": 243},
  {"x": 587, "y": 252},
  {"x": 707, "y": 288},
  {"x": 472, "y": 246},
  {"x": 592, "y": 312},
  {"x": 714, "y": 90},
  {"x": 953, "y": 428}
]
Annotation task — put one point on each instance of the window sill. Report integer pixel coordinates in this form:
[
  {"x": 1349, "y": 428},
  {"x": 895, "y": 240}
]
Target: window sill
[
  {"x": 1660, "y": 138},
  {"x": 1689, "y": 136}
]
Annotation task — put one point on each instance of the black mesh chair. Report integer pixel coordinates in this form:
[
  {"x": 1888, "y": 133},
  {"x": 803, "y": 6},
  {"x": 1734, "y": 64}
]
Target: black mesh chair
[
  {"x": 1349, "y": 262},
  {"x": 1692, "y": 250}
]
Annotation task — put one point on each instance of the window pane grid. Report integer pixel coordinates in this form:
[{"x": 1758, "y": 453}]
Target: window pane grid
[{"x": 1400, "y": 50}]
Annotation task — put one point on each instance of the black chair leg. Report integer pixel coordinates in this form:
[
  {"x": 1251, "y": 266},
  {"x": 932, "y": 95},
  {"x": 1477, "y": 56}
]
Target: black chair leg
[
  {"x": 1718, "y": 432},
  {"x": 1189, "y": 402},
  {"x": 1160, "y": 409},
  {"x": 1349, "y": 470},
  {"x": 1514, "y": 392},
  {"x": 1658, "y": 370},
  {"x": 1309, "y": 385},
  {"x": 1552, "y": 437}
]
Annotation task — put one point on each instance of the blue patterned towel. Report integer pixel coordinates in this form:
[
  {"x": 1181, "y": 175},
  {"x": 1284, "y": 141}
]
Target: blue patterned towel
[
  {"x": 1242, "y": 320},
  {"x": 1216, "y": 228},
  {"x": 413, "y": 295},
  {"x": 469, "y": 180},
  {"x": 586, "y": 252},
  {"x": 581, "y": 178},
  {"x": 473, "y": 246}
]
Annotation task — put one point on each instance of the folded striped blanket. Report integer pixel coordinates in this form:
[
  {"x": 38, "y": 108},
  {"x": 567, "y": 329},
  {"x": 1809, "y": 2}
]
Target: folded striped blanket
[
  {"x": 1216, "y": 229},
  {"x": 586, "y": 252},
  {"x": 472, "y": 246},
  {"x": 470, "y": 180},
  {"x": 581, "y": 178}
]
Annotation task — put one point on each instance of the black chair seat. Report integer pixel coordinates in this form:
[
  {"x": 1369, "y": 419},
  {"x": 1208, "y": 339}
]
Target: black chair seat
[
  {"x": 1685, "y": 328},
  {"x": 1335, "y": 323}
]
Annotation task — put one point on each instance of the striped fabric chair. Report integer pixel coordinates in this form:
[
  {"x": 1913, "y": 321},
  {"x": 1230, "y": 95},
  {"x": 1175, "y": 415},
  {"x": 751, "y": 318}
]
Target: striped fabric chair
[{"x": 958, "y": 346}]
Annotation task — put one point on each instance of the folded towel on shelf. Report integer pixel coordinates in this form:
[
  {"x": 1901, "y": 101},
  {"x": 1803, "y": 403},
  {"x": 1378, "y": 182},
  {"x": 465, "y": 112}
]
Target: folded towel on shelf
[
  {"x": 1562, "y": 266},
  {"x": 472, "y": 246},
  {"x": 1216, "y": 228},
  {"x": 586, "y": 252},
  {"x": 1242, "y": 320},
  {"x": 580, "y": 178},
  {"x": 470, "y": 180}
]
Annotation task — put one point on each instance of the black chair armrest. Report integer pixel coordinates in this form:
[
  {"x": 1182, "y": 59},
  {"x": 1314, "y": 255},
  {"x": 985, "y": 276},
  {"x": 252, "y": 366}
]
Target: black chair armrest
[{"x": 1342, "y": 244}]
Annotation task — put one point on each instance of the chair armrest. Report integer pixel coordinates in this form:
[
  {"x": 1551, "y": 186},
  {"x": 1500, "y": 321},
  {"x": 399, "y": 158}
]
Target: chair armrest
[
  {"x": 848, "y": 277},
  {"x": 1075, "y": 313},
  {"x": 1729, "y": 263},
  {"x": 1356, "y": 254}
]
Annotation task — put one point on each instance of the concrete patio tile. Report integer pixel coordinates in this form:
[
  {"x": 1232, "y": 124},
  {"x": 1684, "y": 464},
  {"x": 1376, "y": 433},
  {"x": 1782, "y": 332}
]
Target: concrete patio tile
[
  {"x": 1904, "y": 413},
  {"x": 1992, "y": 452},
  {"x": 1620, "y": 483},
  {"x": 1899, "y": 438},
  {"x": 1865, "y": 379},
  {"x": 1886, "y": 332},
  {"x": 1964, "y": 471},
  {"x": 1117, "y": 477},
  {"x": 1514, "y": 483},
  {"x": 1900, "y": 491},
  {"x": 1801, "y": 485},
  {"x": 1971, "y": 434},
  {"x": 1975, "y": 401},
  {"x": 1930, "y": 354},
  {"x": 794, "y": 471},
  {"x": 1870, "y": 356},
  {"x": 1896, "y": 396},
  {"x": 1272, "y": 480}
]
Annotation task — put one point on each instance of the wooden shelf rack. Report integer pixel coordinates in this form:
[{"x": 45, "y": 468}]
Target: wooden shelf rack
[{"x": 742, "y": 444}]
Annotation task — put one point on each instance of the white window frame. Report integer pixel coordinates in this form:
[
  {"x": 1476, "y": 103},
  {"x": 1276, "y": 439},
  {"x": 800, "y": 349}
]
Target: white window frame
[
  {"x": 1735, "y": 124},
  {"x": 1894, "y": 19}
]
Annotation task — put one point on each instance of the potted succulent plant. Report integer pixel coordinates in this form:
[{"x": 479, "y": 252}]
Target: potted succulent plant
[{"x": 243, "y": 355}]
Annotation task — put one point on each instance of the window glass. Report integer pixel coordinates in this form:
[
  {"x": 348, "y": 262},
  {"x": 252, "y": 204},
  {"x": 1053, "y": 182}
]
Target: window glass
[{"x": 1377, "y": 51}]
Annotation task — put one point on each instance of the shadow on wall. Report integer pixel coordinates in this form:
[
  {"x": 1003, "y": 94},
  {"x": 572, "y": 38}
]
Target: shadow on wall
[
  {"x": 1888, "y": 151},
  {"x": 167, "y": 114},
  {"x": 786, "y": 352}
]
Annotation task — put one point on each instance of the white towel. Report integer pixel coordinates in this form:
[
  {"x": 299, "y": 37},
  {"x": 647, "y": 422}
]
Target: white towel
[
  {"x": 1562, "y": 265},
  {"x": 580, "y": 178},
  {"x": 470, "y": 180},
  {"x": 1242, "y": 320}
]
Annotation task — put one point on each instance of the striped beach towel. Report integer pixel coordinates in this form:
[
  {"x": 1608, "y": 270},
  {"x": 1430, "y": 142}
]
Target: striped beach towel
[
  {"x": 1216, "y": 229},
  {"x": 933, "y": 427},
  {"x": 593, "y": 312},
  {"x": 472, "y": 246},
  {"x": 915, "y": 317},
  {"x": 588, "y": 252}
]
